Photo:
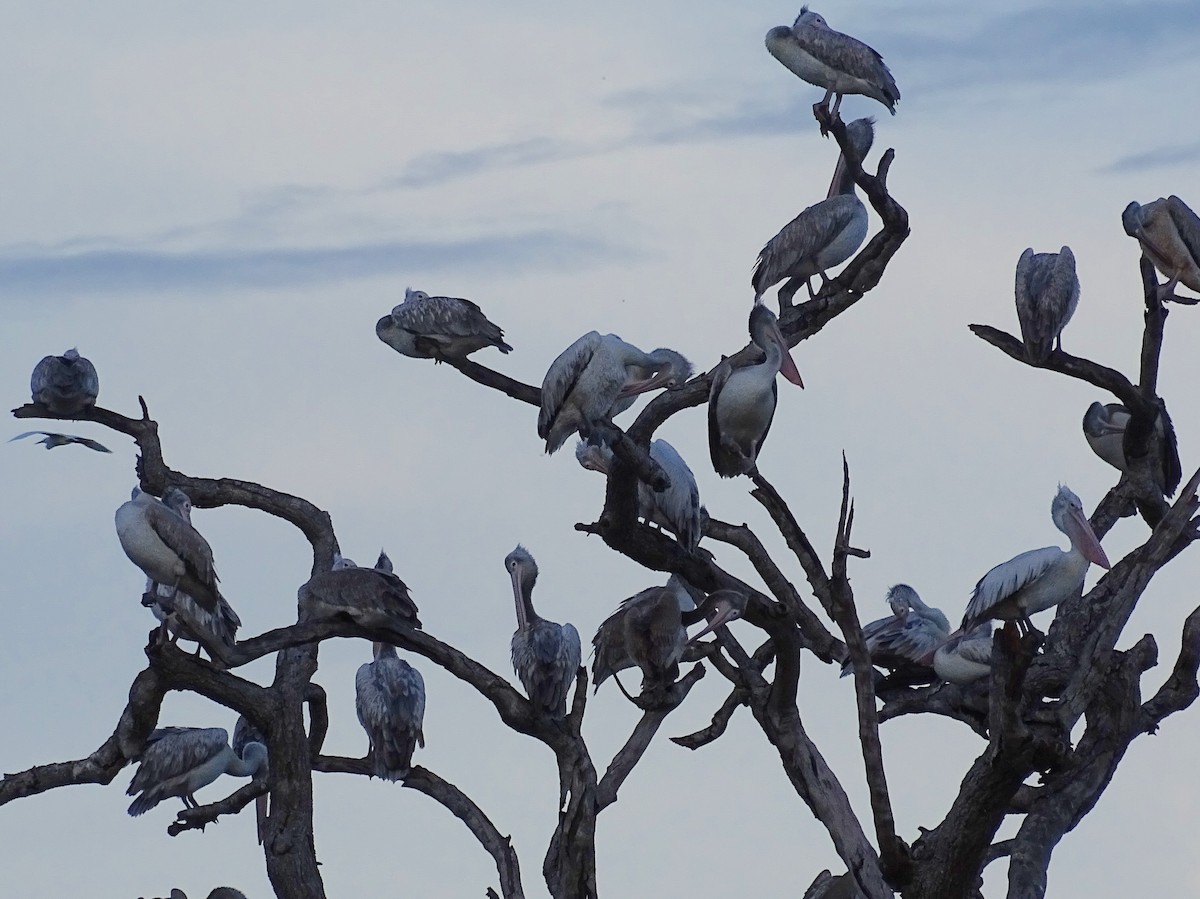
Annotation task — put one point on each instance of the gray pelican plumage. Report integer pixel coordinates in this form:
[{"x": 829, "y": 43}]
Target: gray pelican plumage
[
  {"x": 720, "y": 607},
  {"x": 545, "y": 655},
  {"x": 178, "y": 761},
  {"x": 965, "y": 657},
  {"x": 908, "y": 636},
  {"x": 1169, "y": 233},
  {"x": 390, "y": 699},
  {"x": 245, "y": 733},
  {"x": 677, "y": 508},
  {"x": 168, "y": 549},
  {"x": 610, "y": 650},
  {"x": 1040, "y": 578},
  {"x": 824, "y": 235},
  {"x": 741, "y": 402},
  {"x": 371, "y": 597},
  {"x": 426, "y": 327},
  {"x": 226, "y": 893},
  {"x": 65, "y": 384},
  {"x": 815, "y": 53},
  {"x": 1104, "y": 428},
  {"x": 52, "y": 440},
  {"x": 598, "y": 376},
  {"x": 1047, "y": 292}
]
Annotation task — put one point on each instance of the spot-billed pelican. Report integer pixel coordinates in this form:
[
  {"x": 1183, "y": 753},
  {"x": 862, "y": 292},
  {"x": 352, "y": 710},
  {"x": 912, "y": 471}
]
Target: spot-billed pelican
[
  {"x": 391, "y": 708},
  {"x": 426, "y": 327},
  {"x": 1104, "y": 428},
  {"x": 1047, "y": 293},
  {"x": 52, "y": 440},
  {"x": 1169, "y": 233},
  {"x": 545, "y": 655},
  {"x": 65, "y": 384},
  {"x": 369, "y": 596},
  {"x": 178, "y": 761}
]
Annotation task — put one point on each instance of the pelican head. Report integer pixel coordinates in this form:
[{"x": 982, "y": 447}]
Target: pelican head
[
  {"x": 1099, "y": 421},
  {"x": 808, "y": 17},
  {"x": 524, "y": 571},
  {"x": 178, "y": 500},
  {"x": 340, "y": 562},
  {"x": 383, "y": 563},
  {"x": 764, "y": 331},
  {"x": 902, "y": 598},
  {"x": 670, "y": 370},
  {"x": 861, "y": 134},
  {"x": 1067, "y": 513},
  {"x": 1131, "y": 219},
  {"x": 410, "y": 294},
  {"x": 594, "y": 456},
  {"x": 71, "y": 355},
  {"x": 724, "y": 606}
]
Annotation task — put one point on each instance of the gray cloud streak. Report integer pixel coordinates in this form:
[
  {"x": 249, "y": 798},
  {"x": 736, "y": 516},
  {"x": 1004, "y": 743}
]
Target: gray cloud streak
[{"x": 1158, "y": 158}]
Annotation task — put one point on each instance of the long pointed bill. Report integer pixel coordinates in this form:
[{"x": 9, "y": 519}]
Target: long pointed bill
[
  {"x": 788, "y": 367},
  {"x": 522, "y": 621},
  {"x": 839, "y": 175},
  {"x": 658, "y": 379},
  {"x": 1085, "y": 540},
  {"x": 260, "y": 816},
  {"x": 724, "y": 614}
]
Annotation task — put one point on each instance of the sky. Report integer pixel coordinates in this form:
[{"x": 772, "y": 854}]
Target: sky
[{"x": 215, "y": 203}]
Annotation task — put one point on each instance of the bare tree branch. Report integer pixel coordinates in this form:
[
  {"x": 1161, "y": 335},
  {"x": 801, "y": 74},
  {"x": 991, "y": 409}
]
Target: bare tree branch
[{"x": 199, "y": 818}]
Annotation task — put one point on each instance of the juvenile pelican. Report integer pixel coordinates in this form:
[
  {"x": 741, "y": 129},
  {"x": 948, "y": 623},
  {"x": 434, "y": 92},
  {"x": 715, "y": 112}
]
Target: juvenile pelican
[
  {"x": 741, "y": 402},
  {"x": 52, "y": 440},
  {"x": 178, "y": 761},
  {"x": 545, "y": 655},
  {"x": 426, "y": 327},
  {"x": 908, "y": 636},
  {"x": 837, "y": 62},
  {"x": 721, "y": 607},
  {"x": 1169, "y": 233},
  {"x": 822, "y": 236},
  {"x": 1104, "y": 428},
  {"x": 677, "y": 508},
  {"x": 965, "y": 657},
  {"x": 391, "y": 708},
  {"x": 371, "y": 597},
  {"x": 1047, "y": 294},
  {"x": 65, "y": 384},
  {"x": 595, "y": 378},
  {"x": 1040, "y": 578}
]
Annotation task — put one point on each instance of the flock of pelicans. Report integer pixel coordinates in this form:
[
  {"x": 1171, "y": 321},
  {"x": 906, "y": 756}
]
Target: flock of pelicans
[{"x": 594, "y": 379}]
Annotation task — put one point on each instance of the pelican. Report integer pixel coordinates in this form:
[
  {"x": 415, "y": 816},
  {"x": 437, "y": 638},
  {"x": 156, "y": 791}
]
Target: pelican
[
  {"x": 65, "y": 384},
  {"x": 965, "y": 657},
  {"x": 595, "y": 378},
  {"x": 906, "y": 637},
  {"x": 178, "y": 761},
  {"x": 168, "y": 549},
  {"x": 51, "y": 440},
  {"x": 814, "y": 52},
  {"x": 1047, "y": 294},
  {"x": 245, "y": 733},
  {"x": 721, "y": 607},
  {"x": 610, "y": 652},
  {"x": 371, "y": 597},
  {"x": 1169, "y": 233},
  {"x": 822, "y": 236},
  {"x": 182, "y": 615},
  {"x": 545, "y": 655},
  {"x": 1040, "y": 578},
  {"x": 1104, "y": 428},
  {"x": 426, "y": 327},
  {"x": 391, "y": 706},
  {"x": 741, "y": 402},
  {"x": 677, "y": 508}
]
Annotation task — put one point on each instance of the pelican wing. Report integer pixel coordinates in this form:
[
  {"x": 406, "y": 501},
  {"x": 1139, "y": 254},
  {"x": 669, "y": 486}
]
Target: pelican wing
[
  {"x": 723, "y": 459},
  {"x": 435, "y": 317},
  {"x": 679, "y": 505},
  {"x": 171, "y": 754},
  {"x": 792, "y": 252},
  {"x": 974, "y": 647},
  {"x": 561, "y": 378},
  {"x": 189, "y": 545},
  {"x": 1006, "y": 580},
  {"x": 391, "y": 708},
  {"x": 1047, "y": 292},
  {"x": 846, "y": 54},
  {"x": 1172, "y": 468},
  {"x": 365, "y": 595},
  {"x": 1187, "y": 225}
]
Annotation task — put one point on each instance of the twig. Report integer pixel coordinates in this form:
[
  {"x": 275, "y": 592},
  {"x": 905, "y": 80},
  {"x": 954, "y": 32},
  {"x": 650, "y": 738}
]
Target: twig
[{"x": 199, "y": 818}]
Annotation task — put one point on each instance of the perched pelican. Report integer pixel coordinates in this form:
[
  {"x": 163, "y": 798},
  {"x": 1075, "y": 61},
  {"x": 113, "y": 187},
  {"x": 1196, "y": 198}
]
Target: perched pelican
[
  {"x": 426, "y": 327},
  {"x": 610, "y": 651},
  {"x": 721, "y": 607},
  {"x": 1169, "y": 233},
  {"x": 391, "y": 706},
  {"x": 65, "y": 384},
  {"x": 1104, "y": 427},
  {"x": 51, "y": 440},
  {"x": 822, "y": 236},
  {"x": 371, "y": 597},
  {"x": 245, "y": 733},
  {"x": 178, "y": 761},
  {"x": 1040, "y": 578},
  {"x": 814, "y": 52},
  {"x": 677, "y": 508},
  {"x": 1047, "y": 294},
  {"x": 168, "y": 549},
  {"x": 908, "y": 636},
  {"x": 965, "y": 657},
  {"x": 595, "y": 378},
  {"x": 741, "y": 402},
  {"x": 545, "y": 655}
]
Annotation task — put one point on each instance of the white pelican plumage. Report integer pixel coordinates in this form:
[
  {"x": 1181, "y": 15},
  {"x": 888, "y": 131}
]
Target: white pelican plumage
[
  {"x": 965, "y": 657},
  {"x": 368, "y": 596},
  {"x": 1169, "y": 233},
  {"x": 426, "y": 327},
  {"x": 178, "y": 761},
  {"x": 822, "y": 236},
  {"x": 1040, "y": 578},
  {"x": 545, "y": 655},
  {"x": 816, "y": 53},
  {"x": 677, "y": 508},
  {"x": 595, "y": 378},
  {"x": 1047, "y": 292},
  {"x": 65, "y": 384},
  {"x": 741, "y": 402},
  {"x": 390, "y": 699},
  {"x": 1104, "y": 427}
]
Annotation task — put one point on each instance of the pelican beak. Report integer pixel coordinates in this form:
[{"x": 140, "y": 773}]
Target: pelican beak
[
  {"x": 788, "y": 367},
  {"x": 522, "y": 621},
  {"x": 661, "y": 378},
  {"x": 725, "y": 613},
  {"x": 260, "y": 816},
  {"x": 1087, "y": 541},
  {"x": 839, "y": 175}
]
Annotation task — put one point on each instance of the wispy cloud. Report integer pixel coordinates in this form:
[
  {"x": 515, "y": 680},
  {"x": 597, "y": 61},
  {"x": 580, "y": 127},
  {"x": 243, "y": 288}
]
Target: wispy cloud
[{"x": 1161, "y": 157}]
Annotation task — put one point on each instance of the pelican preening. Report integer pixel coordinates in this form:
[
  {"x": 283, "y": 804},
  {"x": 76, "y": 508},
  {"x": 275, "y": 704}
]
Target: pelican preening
[
  {"x": 51, "y": 440},
  {"x": 595, "y": 378},
  {"x": 178, "y": 761},
  {"x": 822, "y": 236},
  {"x": 245, "y": 733},
  {"x": 909, "y": 636},
  {"x": 168, "y": 549},
  {"x": 1169, "y": 233},
  {"x": 1047, "y": 293},
  {"x": 391, "y": 707},
  {"x": 545, "y": 655},
  {"x": 677, "y": 508},
  {"x": 426, "y": 327},
  {"x": 741, "y": 402},
  {"x": 371, "y": 597},
  {"x": 65, "y": 384},
  {"x": 1104, "y": 428},
  {"x": 816, "y": 53},
  {"x": 610, "y": 648},
  {"x": 1040, "y": 578},
  {"x": 965, "y": 657}
]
